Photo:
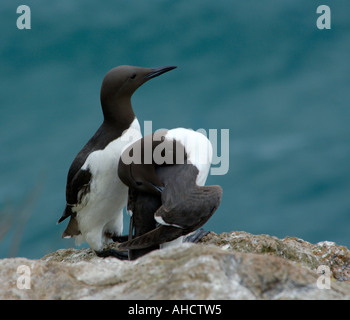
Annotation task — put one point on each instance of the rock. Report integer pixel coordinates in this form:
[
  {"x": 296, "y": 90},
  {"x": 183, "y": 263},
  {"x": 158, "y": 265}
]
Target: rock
[
  {"x": 234, "y": 265},
  {"x": 326, "y": 253}
]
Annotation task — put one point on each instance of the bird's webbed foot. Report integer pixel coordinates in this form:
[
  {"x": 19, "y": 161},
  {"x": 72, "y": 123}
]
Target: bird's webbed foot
[{"x": 196, "y": 236}]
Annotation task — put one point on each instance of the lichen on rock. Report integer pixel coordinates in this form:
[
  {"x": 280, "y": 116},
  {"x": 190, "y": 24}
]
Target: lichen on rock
[{"x": 336, "y": 257}]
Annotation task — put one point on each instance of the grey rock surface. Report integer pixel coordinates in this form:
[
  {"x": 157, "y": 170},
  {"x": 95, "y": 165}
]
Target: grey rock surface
[{"x": 235, "y": 265}]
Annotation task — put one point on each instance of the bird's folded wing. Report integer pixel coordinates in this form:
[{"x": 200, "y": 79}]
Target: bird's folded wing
[
  {"x": 76, "y": 189},
  {"x": 181, "y": 219},
  {"x": 196, "y": 206},
  {"x": 157, "y": 236}
]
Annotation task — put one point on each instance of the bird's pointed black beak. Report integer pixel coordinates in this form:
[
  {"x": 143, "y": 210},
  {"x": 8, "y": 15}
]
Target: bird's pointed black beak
[{"x": 158, "y": 71}]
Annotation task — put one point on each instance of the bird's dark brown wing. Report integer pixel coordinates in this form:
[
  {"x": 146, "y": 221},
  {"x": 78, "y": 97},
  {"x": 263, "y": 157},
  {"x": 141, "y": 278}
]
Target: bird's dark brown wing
[
  {"x": 77, "y": 187},
  {"x": 186, "y": 216},
  {"x": 193, "y": 210},
  {"x": 157, "y": 236},
  {"x": 142, "y": 206},
  {"x": 182, "y": 207}
]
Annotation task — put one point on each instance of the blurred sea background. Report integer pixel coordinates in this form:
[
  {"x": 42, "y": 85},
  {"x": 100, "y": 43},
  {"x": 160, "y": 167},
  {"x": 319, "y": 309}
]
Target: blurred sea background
[{"x": 261, "y": 69}]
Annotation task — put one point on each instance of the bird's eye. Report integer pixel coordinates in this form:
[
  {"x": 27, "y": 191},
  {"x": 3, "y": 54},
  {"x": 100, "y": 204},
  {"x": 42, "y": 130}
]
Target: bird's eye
[{"x": 133, "y": 76}]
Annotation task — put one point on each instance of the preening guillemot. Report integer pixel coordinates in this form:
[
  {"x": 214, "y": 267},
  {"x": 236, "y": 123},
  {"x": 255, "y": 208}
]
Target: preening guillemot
[
  {"x": 166, "y": 172},
  {"x": 95, "y": 195}
]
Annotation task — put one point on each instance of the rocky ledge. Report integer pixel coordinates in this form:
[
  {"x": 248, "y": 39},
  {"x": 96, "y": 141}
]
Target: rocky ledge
[{"x": 235, "y": 265}]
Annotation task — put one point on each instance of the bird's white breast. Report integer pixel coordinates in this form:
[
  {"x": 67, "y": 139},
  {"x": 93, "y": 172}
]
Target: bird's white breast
[{"x": 102, "y": 208}]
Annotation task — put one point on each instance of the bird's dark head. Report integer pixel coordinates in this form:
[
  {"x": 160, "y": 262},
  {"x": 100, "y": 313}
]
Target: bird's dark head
[{"x": 121, "y": 82}]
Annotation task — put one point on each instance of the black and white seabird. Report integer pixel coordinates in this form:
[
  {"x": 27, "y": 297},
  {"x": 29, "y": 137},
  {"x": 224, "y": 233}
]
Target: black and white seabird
[
  {"x": 95, "y": 195},
  {"x": 166, "y": 172}
]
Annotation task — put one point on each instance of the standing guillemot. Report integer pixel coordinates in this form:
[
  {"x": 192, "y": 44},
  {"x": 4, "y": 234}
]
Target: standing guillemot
[
  {"x": 95, "y": 195},
  {"x": 166, "y": 172}
]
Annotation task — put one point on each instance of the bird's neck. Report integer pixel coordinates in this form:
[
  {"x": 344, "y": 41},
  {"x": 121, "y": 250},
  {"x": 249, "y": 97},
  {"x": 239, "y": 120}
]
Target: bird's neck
[{"x": 118, "y": 112}]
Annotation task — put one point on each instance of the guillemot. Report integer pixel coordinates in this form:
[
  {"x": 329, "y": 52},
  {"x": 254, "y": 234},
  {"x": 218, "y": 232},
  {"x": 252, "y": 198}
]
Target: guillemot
[
  {"x": 95, "y": 195},
  {"x": 166, "y": 173}
]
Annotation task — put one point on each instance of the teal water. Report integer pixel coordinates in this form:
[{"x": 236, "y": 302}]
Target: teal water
[{"x": 258, "y": 68}]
